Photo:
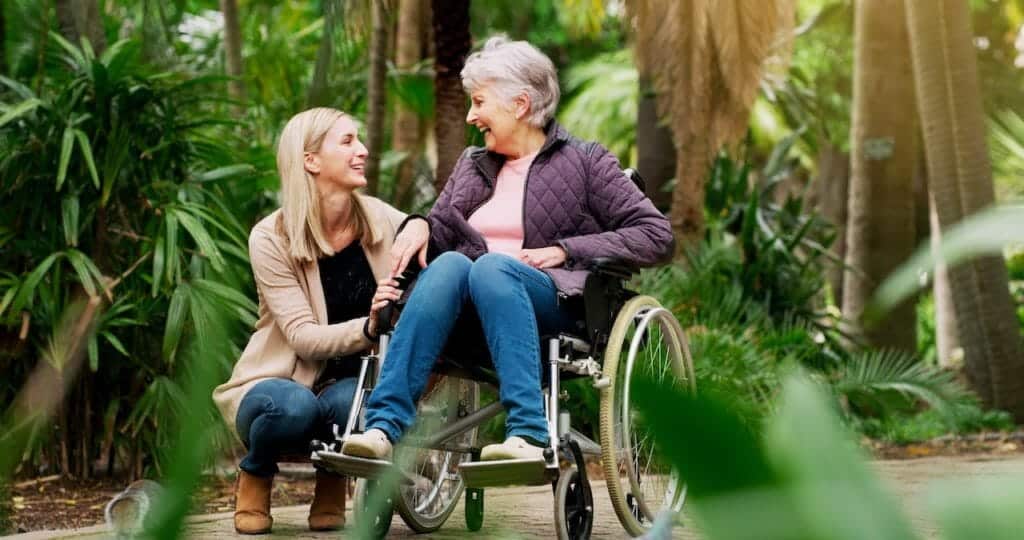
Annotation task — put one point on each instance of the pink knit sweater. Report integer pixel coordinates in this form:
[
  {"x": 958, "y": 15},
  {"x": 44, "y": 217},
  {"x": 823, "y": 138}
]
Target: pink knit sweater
[{"x": 500, "y": 220}]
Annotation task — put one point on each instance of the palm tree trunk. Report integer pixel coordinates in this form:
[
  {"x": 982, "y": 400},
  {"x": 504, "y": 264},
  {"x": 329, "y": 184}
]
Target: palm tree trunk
[
  {"x": 947, "y": 341},
  {"x": 376, "y": 94},
  {"x": 832, "y": 187},
  {"x": 317, "y": 95},
  {"x": 687, "y": 214},
  {"x": 880, "y": 226},
  {"x": 233, "y": 50},
  {"x": 950, "y": 106},
  {"x": 81, "y": 18},
  {"x": 406, "y": 130},
  {"x": 656, "y": 155},
  {"x": 452, "y": 43}
]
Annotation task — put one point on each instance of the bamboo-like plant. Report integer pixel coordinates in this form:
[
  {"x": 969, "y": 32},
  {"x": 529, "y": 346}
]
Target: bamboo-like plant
[{"x": 119, "y": 186}]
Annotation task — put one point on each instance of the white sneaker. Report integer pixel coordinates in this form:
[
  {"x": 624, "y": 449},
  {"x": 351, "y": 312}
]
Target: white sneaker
[
  {"x": 373, "y": 444},
  {"x": 513, "y": 448}
]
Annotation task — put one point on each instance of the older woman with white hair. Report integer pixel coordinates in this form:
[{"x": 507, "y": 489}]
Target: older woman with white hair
[
  {"x": 322, "y": 269},
  {"x": 511, "y": 237}
]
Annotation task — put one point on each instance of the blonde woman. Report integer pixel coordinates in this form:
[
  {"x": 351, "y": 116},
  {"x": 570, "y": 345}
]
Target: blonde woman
[{"x": 322, "y": 266}]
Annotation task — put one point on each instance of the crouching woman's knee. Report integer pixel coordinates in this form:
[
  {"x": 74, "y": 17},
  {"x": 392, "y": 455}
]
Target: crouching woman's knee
[{"x": 277, "y": 409}]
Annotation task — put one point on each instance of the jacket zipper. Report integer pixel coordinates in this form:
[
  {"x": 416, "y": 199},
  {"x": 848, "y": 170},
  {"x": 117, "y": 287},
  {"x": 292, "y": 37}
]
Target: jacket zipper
[
  {"x": 494, "y": 188},
  {"x": 526, "y": 184}
]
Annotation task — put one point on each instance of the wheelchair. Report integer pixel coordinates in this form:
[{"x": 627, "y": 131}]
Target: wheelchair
[{"x": 624, "y": 335}]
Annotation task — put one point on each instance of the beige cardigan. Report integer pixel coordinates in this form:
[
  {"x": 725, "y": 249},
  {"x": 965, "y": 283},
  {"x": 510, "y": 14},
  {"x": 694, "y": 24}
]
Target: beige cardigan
[{"x": 292, "y": 338}]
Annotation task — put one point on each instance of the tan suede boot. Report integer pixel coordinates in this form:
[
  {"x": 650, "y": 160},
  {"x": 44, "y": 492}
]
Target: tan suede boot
[
  {"x": 252, "y": 504},
  {"x": 327, "y": 513}
]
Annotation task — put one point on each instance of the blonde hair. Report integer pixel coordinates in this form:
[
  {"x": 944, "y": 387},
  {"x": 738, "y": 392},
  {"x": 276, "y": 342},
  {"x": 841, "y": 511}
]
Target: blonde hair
[{"x": 300, "y": 200}]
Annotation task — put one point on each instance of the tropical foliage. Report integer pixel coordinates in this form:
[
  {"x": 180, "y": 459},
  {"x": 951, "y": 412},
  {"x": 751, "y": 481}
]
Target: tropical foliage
[
  {"x": 130, "y": 180},
  {"x": 117, "y": 183}
]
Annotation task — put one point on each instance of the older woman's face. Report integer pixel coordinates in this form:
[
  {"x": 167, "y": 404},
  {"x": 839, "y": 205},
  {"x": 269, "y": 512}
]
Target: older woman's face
[{"x": 494, "y": 117}]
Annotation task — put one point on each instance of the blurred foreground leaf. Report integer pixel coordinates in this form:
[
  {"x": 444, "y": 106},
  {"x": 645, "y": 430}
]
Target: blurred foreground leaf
[
  {"x": 808, "y": 482},
  {"x": 984, "y": 233}
]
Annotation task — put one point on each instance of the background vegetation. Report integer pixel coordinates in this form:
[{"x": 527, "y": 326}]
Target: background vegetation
[{"x": 136, "y": 151}]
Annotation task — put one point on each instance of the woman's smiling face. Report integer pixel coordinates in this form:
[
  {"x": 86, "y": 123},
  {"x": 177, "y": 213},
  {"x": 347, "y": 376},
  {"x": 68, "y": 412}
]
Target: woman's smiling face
[
  {"x": 342, "y": 156},
  {"x": 494, "y": 117}
]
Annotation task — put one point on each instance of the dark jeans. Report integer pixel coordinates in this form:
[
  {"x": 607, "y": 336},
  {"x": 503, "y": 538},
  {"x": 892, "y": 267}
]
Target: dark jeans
[{"x": 280, "y": 416}]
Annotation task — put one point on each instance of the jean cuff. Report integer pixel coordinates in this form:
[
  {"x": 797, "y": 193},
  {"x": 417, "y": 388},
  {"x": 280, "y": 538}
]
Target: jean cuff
[
  {"x": 532, "y": 438},
  {"x": 392, "y": 434}
]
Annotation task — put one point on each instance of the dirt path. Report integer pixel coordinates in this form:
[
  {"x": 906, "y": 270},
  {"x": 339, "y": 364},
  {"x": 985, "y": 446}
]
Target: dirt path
[{"x": 528, "y": 512}]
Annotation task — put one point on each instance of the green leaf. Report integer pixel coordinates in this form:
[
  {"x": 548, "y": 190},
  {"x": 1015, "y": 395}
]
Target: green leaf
[
  {"x": 834, "y": 491},
  {"x": 228, "y": 294},
  {"x": 175, "y": 321},
  {"x": 8, "y": 296},
  {"x": 77, "y": 58},
  {"x": 69, "y": 216},
  {"x": 728, "y": 457},
  {"x": 19, "y": 110},
  {"x": 65, "y": 156},
  {"x": 86, "y": 48},
  {"x": 94, "y": 354},
  {"x": 158, "y": 264},
  {"x": 28, "y": 289},
  {"x": 225, "y": 172},
  {"x": 202, "y": 238},
  {"x": 83, "y": 144},
  {"x": 173, "y": 256},
  {"x": 81, "y": 265},
  {"x": 114, "y": 342},
  {"x": 24, "y": 92},
  {"x": 109, "y": 55}
]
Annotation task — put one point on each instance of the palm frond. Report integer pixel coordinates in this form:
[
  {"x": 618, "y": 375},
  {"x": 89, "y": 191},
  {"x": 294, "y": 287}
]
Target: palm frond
[{"x": 888, "y": 381}]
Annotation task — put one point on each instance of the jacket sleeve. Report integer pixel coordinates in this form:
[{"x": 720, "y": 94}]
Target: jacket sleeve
[
  {"x": 633, "y": 228},
  {"x": 442, "y": 234},
  {"x": 279, "y": 289}
]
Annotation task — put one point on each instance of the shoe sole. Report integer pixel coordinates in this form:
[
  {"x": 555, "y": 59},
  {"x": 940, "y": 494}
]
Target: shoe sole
[
  {"x": 501, "y": 456},
  {"x": 358, "y": 450}
]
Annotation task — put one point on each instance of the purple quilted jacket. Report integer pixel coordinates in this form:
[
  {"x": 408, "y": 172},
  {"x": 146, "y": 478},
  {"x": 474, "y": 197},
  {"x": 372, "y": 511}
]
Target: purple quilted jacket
[{"x": 576, "y": 196}]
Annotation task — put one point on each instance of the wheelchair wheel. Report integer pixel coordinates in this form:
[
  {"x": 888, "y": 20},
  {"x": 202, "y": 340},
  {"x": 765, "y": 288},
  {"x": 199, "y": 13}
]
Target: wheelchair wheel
[
  {"x": 379, "y": 518},
  {"x": 645, "y": 338},
  {"x": 429, "y": 501},
  {"x": 574, "y": 506}
]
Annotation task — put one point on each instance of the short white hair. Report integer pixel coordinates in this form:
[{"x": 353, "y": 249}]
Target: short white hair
[{"x": 513, "y": 68}]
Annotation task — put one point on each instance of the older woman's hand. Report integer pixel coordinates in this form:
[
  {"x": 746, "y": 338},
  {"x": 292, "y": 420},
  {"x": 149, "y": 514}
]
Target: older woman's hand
[
  {"x": 411, "y": 241},
  {"x": 548, "y": 257},
  {"x": 387, "y": 291}
]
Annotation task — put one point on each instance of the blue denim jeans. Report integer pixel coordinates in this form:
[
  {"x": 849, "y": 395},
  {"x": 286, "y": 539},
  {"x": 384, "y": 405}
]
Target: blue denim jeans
[
  {"x": 515, "y": 304},
  {"x": 280, "y": 416}
]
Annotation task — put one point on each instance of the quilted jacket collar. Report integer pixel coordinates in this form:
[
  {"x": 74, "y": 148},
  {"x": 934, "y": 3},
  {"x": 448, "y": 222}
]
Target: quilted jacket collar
[{"x": 490, "y": 163}]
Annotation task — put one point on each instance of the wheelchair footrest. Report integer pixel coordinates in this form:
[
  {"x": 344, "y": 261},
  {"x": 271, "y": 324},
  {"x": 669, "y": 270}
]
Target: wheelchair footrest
[
  {"x": 507, "y": 472},
  {"x": 357, "y": 467}
]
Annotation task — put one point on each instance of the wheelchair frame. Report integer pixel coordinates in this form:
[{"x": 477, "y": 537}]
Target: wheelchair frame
[{"x": 604, "y": 301}]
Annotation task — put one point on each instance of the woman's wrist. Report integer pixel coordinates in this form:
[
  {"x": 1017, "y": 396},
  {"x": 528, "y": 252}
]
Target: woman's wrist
[
  {"x": 366, "y": 331},
  {"x": 410, "y": 218}
]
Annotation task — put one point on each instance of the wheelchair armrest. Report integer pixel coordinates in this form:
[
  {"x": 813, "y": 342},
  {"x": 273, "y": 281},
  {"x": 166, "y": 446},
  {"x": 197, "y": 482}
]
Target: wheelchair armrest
[{"x": 613, "y": 267}]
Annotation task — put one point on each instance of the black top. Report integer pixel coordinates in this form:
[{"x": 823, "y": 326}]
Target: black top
[{"x": 348, "y": 290}]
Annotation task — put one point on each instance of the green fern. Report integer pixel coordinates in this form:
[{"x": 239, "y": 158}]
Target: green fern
[{"x": 879, "y": 383}]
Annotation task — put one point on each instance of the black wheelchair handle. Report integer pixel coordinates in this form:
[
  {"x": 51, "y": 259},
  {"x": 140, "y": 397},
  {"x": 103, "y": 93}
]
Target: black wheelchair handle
[{"x": 386, "y": 313}]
